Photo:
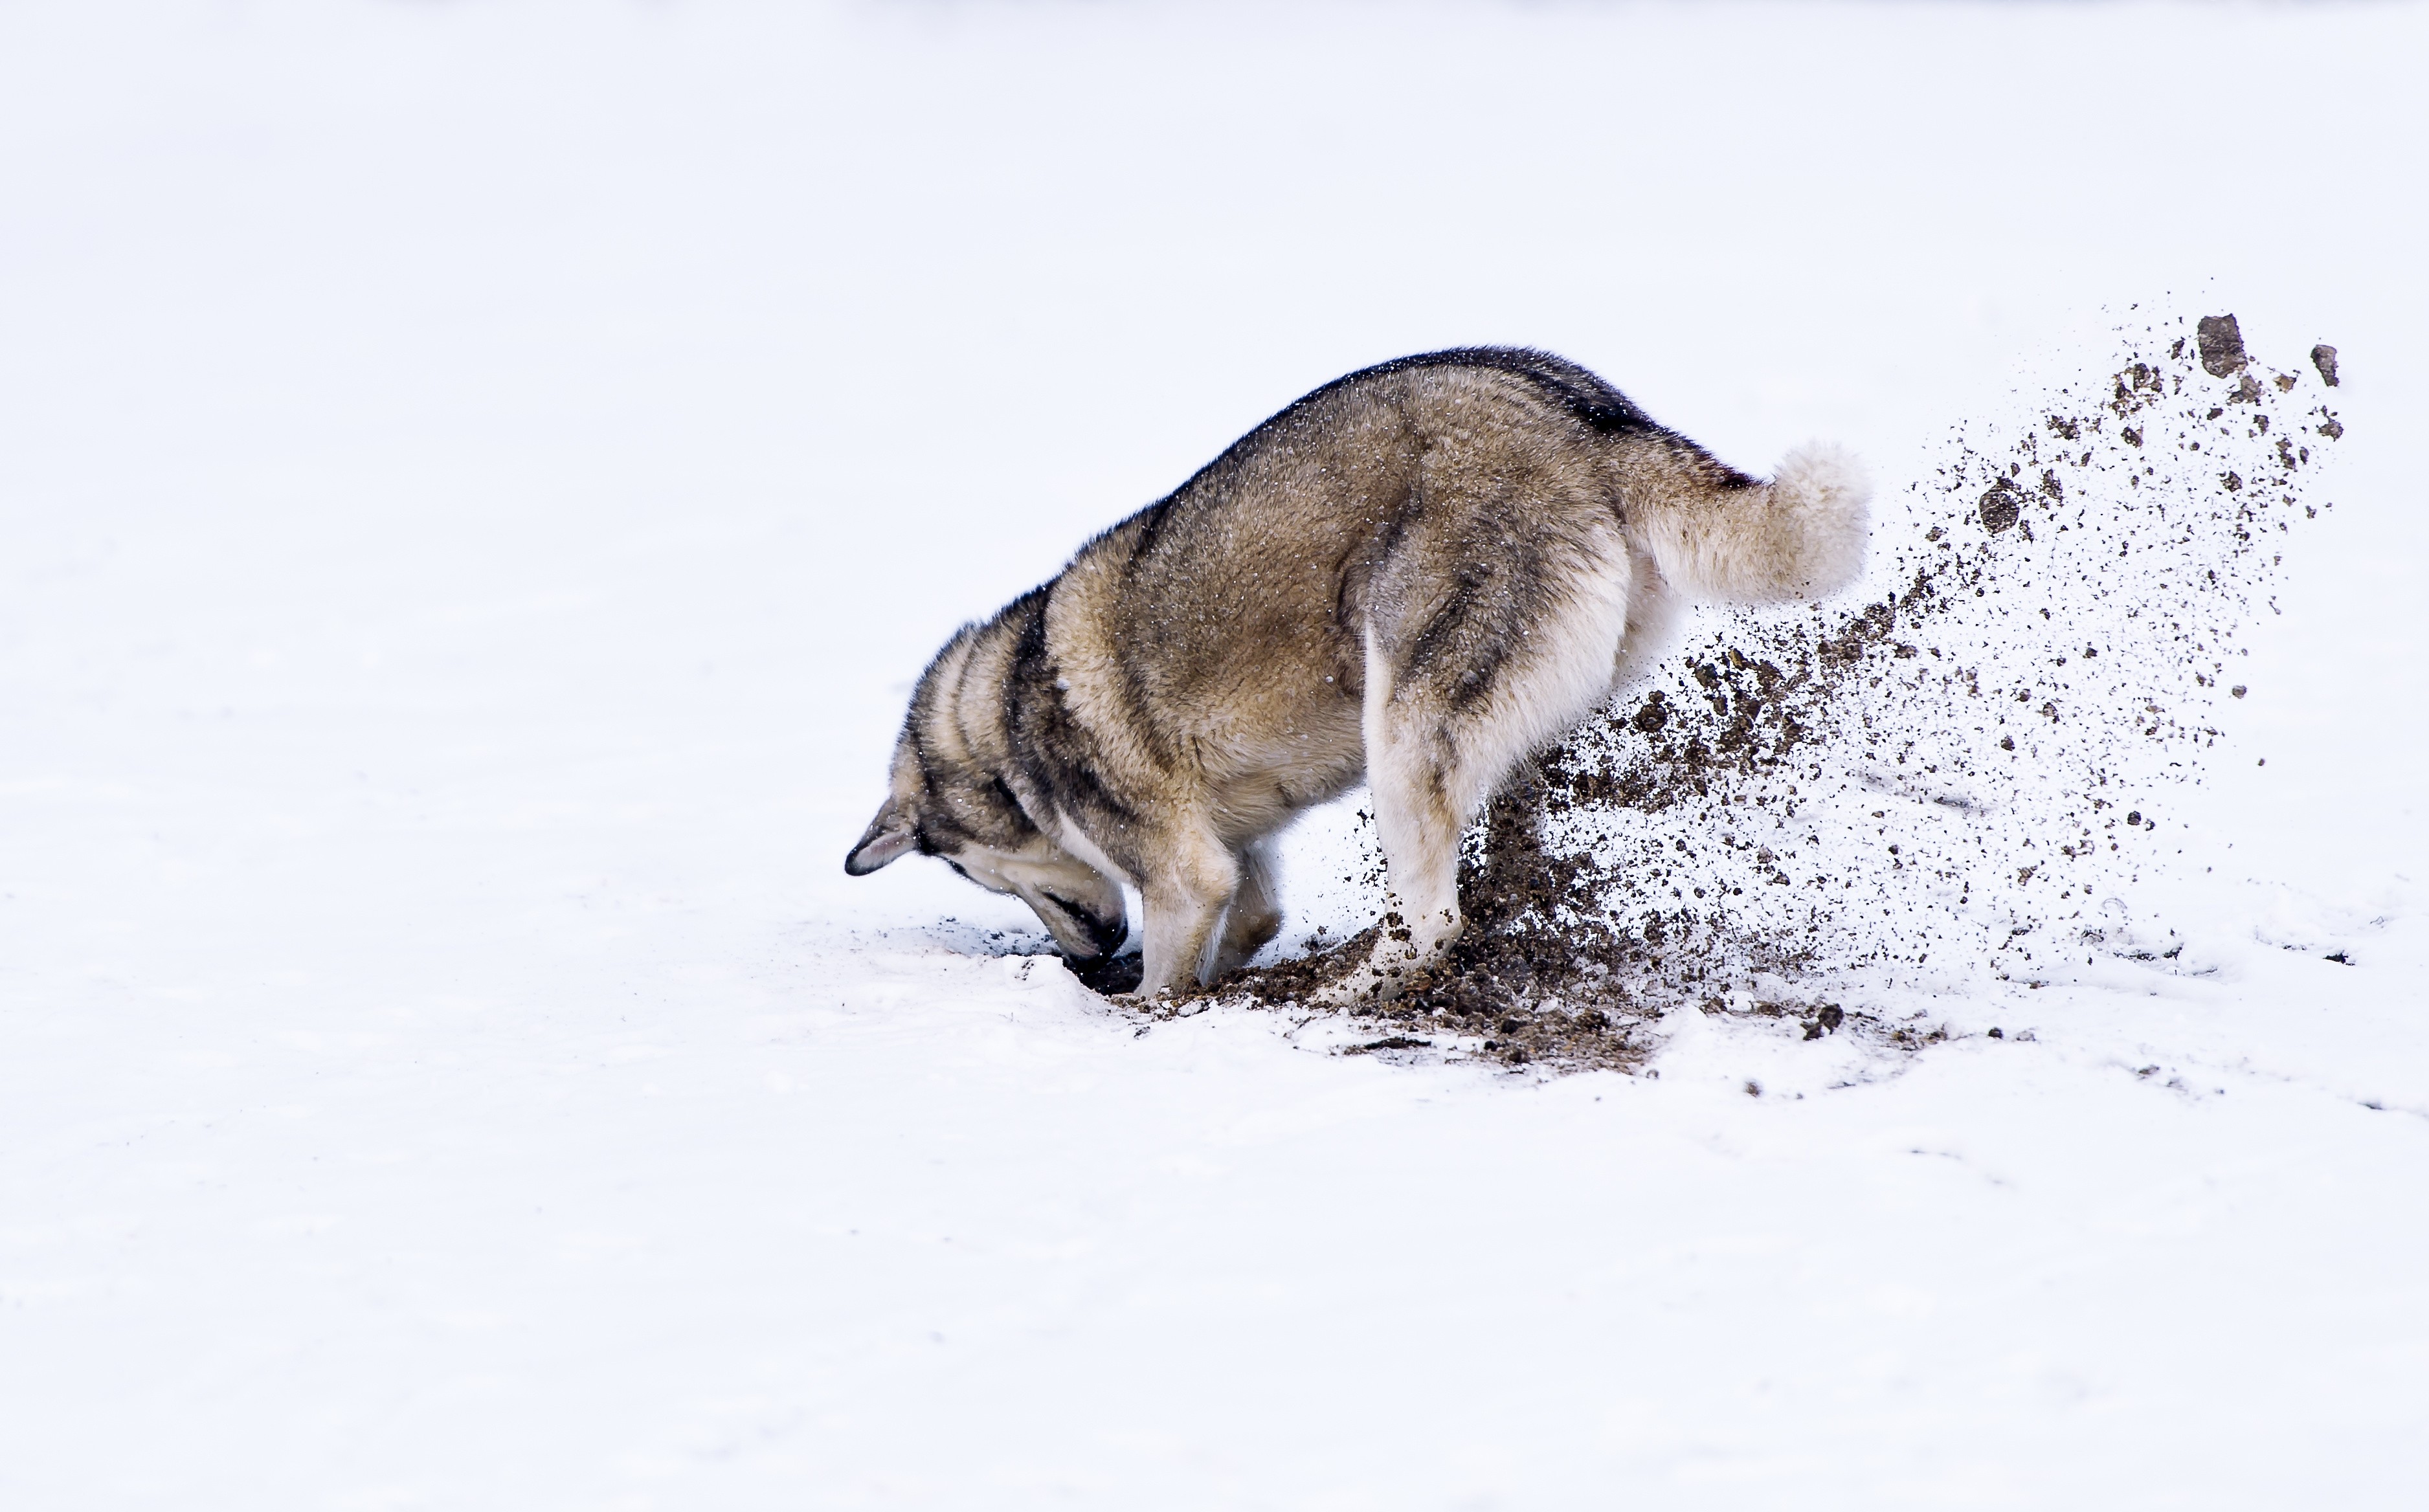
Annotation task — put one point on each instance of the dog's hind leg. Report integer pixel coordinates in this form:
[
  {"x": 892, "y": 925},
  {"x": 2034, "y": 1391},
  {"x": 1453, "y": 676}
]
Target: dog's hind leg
[
  {"x": 1444, "y": 733},
  {"x": 1183, "y": 903},
  {"x": 1425, "y": 778},
  {"x": 1255, "y": 915},
  {"x": 1653, "y": 611}
]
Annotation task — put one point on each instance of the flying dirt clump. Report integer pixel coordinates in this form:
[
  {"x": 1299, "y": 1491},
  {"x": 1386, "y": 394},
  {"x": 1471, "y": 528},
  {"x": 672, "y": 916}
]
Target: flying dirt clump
[{"x": 1962, "y": 777}]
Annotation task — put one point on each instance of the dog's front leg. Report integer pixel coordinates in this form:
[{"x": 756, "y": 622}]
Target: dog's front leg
[{"x": 1184, "y": 905}]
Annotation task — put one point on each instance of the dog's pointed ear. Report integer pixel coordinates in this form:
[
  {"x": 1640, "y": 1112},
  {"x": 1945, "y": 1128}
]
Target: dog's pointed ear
[{"x": 890, "y": 835}]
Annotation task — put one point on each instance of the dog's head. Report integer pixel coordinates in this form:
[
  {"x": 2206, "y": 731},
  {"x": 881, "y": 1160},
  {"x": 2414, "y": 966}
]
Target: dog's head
[{"x": 969, "y": 818}]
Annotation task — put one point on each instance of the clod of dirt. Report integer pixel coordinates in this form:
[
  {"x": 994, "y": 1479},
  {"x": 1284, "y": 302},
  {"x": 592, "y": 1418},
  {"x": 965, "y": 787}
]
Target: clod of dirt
[
  {"x": 2000, "y": 507},
  {"x": 2323, "y": 357},
  {"x": 1390, "y": 1041},
  {"x": 2221, "y": 345}
]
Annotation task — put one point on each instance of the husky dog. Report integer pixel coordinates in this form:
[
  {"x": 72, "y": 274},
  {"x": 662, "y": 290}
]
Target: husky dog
[{"x": 1415, "y": 576}]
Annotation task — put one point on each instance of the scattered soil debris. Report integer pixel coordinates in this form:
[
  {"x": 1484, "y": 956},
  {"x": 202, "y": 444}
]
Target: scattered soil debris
[
  {"x": 1961, "y": 775},
  {"x": 2323, "y": 357}
]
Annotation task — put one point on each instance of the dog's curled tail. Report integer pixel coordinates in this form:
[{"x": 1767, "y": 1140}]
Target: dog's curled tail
[{"x": 1800, "y": 535}]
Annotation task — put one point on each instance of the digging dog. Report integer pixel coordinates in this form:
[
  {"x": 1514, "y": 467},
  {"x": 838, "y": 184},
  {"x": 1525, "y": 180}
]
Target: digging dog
[{"x": 1412, "y": 577}]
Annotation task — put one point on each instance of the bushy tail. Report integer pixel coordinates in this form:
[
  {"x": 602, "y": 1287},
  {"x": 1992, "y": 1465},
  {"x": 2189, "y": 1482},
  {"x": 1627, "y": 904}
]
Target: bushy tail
[{"x": 1800, "y": 535}]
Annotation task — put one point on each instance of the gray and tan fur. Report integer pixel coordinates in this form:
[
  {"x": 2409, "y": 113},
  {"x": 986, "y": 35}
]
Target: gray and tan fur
[{"x": 1413, "y": 576}]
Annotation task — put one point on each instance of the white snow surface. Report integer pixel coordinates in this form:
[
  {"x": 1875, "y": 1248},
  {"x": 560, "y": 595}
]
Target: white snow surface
[{"x": 476, "y": 482}]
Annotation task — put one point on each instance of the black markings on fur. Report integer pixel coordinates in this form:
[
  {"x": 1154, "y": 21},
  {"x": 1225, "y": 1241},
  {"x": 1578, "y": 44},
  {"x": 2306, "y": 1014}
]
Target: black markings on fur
[
  {"x": 961, "y": 805},
  {"x": 1050, "y": 750},
  {"x": 1150, "y": 525},
  {"x": 1004, "y": 792},
  {"x": 1444, "y": 632},
  {"x": 1105, "y": 936},
  {"x": 1594, "y": 403}
]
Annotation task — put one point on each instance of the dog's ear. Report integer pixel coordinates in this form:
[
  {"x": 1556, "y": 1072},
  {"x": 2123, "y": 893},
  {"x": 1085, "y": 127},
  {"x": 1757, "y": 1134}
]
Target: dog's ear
[{"x": 889, "y": 836}]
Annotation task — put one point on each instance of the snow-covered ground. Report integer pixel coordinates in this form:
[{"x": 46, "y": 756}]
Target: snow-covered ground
[{"x": 476, "y": 480}]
